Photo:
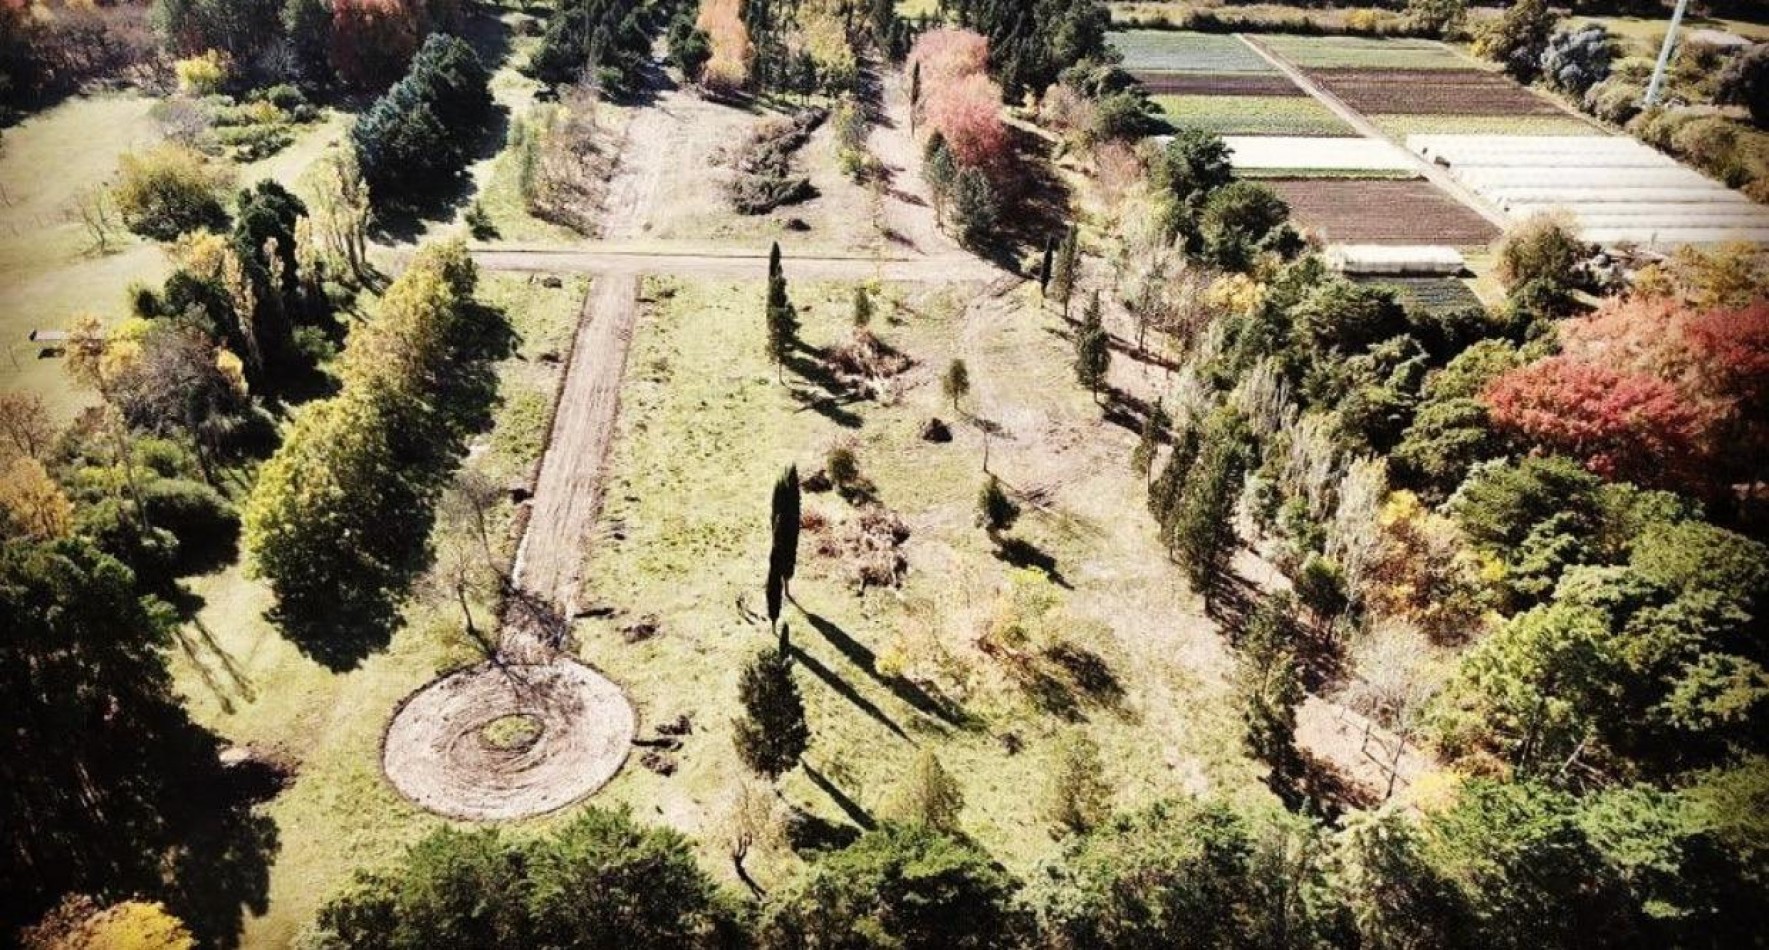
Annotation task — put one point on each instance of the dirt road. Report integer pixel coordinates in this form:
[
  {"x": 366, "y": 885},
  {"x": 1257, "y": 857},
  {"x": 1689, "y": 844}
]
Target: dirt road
[{"x": 690, "y": 261}]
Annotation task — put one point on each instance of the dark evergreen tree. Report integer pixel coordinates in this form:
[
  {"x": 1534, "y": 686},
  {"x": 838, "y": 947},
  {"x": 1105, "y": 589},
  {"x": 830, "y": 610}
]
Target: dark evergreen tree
[
  {"x": 414, "y": 139},
  {"x": 1093, "y": 351},
  {"x": 784, "y": 552},
  {"x": 782, "y": 318},
  {"x": 771, "y": 735},
  {"x": 1200, "y": 526},
  {"x": 1063, "y": 274}
]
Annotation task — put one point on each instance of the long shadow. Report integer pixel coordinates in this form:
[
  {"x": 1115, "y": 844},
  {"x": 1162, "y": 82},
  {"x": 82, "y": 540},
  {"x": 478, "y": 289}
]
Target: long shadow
[
  {"x": 1022, "y": 553},
  {"x": 849, "y": 807},
  {"x": 835, "y": 394},
  {"x": 1310, "y": 785},
  {"x": 846, "y": 691},
  {"x": 863, "y": 657}
]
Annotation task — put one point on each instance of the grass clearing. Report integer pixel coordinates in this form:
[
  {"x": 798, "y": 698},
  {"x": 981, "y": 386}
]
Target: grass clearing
[
  {"x": 47, "y": 274},
  {"x": 1253, "y": 115},
  {"x": 705, "y": 429},
  {"x": 1320, "y": 52},
  {"x": 241, "y": 678},
  {"x": 1398, "y": 127},
  {"x": 1170, "y": 51}
]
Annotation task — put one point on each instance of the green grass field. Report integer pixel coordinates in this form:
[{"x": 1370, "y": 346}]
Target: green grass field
[
  {"x": 241, "y": 678},
  {"x": 706, "y": 427},
  {"x": 1322, "y": 52},
  {"x": 1399, "y": 127},
  {"x": 1252, "y": 115},
  {"x": 1159, "y": 50}
]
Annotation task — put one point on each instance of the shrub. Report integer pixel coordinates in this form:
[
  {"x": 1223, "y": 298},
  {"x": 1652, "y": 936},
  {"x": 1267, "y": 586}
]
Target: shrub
[
  {"x": 1745, "y": 82},
  {"x": 1576, "y": 60},
  {"x": 202, "y": 74},
  {"x": 1516, "y": 39},
  {"x": 1614, "y": 100},
  {"x": 1712, "y": 143},
  {"x": 1545, "y": 248},
  {"x": 372, "y": 41},
  {"x": 1443, "y": 18},
  {"x": 167, "y": 191}
]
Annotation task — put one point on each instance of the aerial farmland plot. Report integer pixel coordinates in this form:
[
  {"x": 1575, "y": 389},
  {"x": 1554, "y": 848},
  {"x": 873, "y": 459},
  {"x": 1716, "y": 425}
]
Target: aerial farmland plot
[
  {"x": 1163, "y": 51},
  {"x": 1252, "y": 115},
  {"x": 1351, "y": 211},
  {"x": 1352, "y": 52}
]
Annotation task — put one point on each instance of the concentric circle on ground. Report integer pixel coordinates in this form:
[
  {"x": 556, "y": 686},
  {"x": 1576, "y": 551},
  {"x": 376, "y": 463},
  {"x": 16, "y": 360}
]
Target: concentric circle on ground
[{"x": 440, "y": 753}]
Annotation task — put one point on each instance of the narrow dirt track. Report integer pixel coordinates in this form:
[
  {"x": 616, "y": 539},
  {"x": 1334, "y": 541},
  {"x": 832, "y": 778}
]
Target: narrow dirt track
[
  {"x": 691, "y": 262},
  {"x": 568, "y": 494}
]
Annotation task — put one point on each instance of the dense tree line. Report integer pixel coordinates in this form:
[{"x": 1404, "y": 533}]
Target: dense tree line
[
  {"x": 337, "y": 521},
  {"x": 1030, "y": 43},
  {"x": 607, "y": 39}
]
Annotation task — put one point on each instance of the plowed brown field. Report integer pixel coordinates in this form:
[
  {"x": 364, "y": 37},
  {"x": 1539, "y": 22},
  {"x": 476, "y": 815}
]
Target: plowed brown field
[
  {"x": 1382, "y": 212},
  {"x": 1216, "y": 84},
  {"x": 1431, "y": 92}
]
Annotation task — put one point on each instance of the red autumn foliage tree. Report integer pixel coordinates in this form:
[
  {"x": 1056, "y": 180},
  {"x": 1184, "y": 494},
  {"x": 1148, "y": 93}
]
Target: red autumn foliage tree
[
  {"x": 1731, "y": 349},
  {"x": 960, "y": 100},
  {"x": 948, "y": 54},
  {"x": 1620, "y": 424},
  {"x": 967, "y": 112},
  {"x": 373, "y": 41}
]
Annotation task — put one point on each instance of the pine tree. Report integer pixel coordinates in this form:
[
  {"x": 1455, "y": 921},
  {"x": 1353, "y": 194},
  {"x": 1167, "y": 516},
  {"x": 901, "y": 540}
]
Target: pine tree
[
  {"x": 956, "y": 383},
  {"x": 782, "y": 319},
  {"x": 1200, "y": 530},
  {"x": 1154, "y": 426},
  {"x": 1044, "y": 265},
  {"x": 940, "y": 169},
  {"x": 928, "y": 796},
  {"x": 914, "y": 95},
  {"x": 1268, "y": 682},
  {"x": 783, "y": 555},
  {"x": 1078, "y": 798},
  {"x": 1093, "y": 350},
  {"x": 995, "y": 511},
  {"x": 771, "y": 735},
  {"x": 1165, "y": 490},
  {"x": 1062, "y": 276}
]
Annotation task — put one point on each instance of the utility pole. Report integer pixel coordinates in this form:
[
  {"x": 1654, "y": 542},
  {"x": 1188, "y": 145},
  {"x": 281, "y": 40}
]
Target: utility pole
[{"x": 1664, "y": 56}]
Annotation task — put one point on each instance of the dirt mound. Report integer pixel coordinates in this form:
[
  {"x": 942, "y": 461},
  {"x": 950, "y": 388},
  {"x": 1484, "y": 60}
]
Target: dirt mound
[{"x": 453, "y": 747}]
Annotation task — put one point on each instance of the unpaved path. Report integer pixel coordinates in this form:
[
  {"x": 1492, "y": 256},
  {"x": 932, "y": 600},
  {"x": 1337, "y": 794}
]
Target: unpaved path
[
  {"x": 1367, "y": 129},
  {"x": 690, "y": 260},
  {"x": 568, "y": 493}
]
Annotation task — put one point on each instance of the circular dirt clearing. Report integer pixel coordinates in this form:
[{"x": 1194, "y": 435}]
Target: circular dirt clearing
[{"x": 493, "y": 743}]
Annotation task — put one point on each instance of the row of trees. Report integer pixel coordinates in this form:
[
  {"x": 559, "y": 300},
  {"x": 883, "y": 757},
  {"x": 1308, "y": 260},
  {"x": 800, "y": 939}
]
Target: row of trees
[
  {"x": 338, "y": 519},
  {"x": 362, "y": 44},
  {"x": 1508, "y": 864}
]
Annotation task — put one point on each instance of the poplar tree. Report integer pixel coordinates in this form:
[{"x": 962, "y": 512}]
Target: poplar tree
[
  {"x": 956, "y": 383},
  {"x": 1154, "y": 425}
]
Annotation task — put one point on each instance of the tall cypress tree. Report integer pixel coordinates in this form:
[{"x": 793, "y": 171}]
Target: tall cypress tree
[
  {"x": 1062, "y": 276},
  {"x": 782, "y": 320},
  {"x": 1200, "y": 530},
  {"x": 1093, "y": 351},
  {"x": 783, "y": 556}
]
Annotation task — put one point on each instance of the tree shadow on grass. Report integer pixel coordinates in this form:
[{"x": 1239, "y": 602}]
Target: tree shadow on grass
[
  {"x": 1310, "y": 785},
  {"x": 928, "y": 704},
  {"x": 846, "y": 690},
  {"x": 1024, "y": 554},
  {"x": 857, "y": 814}
]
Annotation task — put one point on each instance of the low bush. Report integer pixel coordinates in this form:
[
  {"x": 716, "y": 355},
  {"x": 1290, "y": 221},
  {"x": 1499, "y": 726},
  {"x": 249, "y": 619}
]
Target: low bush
[
  {"x": 167, "y": 191},
  {"x": 1745, "y": 82},
  {"x": 1614, "y": 100}
]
